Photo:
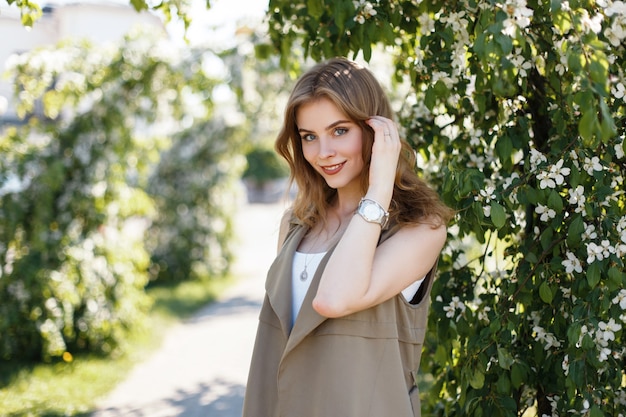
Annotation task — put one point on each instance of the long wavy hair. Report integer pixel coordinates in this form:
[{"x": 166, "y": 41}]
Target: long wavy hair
[{"x": 359, "y": 95}]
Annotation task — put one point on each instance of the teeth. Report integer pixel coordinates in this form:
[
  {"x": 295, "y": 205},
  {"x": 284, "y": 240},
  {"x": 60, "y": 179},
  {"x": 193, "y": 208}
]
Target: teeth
[{"x": 330, "y": 168}]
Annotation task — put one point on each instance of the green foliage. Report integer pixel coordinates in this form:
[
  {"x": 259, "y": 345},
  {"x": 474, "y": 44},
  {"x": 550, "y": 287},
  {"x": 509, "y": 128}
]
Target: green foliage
[
  {"x": 59, "y": 389},
  {"x": 517, "y": 112},
  {"x": 30, "y": 11},
  {"x": 73, "y": 181},
  {"x": 264, "y": 165},
  {"x": 192, "y": 186}
]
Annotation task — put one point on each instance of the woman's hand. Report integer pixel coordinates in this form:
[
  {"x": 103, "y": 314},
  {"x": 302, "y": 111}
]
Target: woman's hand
[{"x": 385, "y": 155}]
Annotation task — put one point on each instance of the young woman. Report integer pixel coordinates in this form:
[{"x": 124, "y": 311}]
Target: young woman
[{"x": 343, "y": 321}]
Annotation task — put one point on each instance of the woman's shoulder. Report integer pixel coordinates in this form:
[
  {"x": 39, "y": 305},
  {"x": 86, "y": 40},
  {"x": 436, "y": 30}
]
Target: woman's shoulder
[{"x": 287, "y": 224}]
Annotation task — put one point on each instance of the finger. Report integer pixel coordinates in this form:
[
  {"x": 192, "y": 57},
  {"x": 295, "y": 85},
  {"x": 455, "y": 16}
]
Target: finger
[{"x": 383, "y": 125}]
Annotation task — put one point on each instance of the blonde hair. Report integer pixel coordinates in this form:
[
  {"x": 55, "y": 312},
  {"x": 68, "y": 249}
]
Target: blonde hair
[{"x": 359, "y": 95}]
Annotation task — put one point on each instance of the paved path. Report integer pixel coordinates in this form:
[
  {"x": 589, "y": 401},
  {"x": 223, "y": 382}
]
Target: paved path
[{"x": 201, "y": 368}]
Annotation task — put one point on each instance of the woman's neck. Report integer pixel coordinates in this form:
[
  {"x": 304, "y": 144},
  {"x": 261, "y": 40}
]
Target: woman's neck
[{"x": 345, "y": 204}]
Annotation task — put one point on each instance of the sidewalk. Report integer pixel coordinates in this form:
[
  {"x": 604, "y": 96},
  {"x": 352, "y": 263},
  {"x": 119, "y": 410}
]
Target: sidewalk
[{"x": 201, "y": 368}]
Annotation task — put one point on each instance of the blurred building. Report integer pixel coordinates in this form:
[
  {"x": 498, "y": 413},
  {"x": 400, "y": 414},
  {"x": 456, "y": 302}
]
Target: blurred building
[{"x": 97, "y": 21}]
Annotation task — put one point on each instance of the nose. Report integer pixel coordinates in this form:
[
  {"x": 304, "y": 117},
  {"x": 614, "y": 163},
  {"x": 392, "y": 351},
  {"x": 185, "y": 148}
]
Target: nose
[{"x": 327, "y": 149}]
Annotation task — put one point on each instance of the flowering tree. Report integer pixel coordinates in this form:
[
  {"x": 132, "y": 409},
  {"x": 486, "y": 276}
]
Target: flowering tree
[
  {"x": 517, "y": 111},
  {"x": 30, "y": 10},
  {"x": 115, "y": 140}
]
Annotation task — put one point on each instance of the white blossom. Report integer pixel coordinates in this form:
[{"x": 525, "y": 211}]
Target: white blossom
[
  {"x": 618, "y": 90},
  {"x": 619, "y": 150},
  {"x": 574, "y": 156},
  {"x": 605, "y": 352},
  {"x": 545, "y": 212},
  {"x": 455, "y": 304},
  {"x": 536, "y": 158},
  {"x": 593, "y": 24},
  {"x": 365, "y": 10},
  {"x": 589, "y": 233},
  {"x": 554, "y": 176},
  {"x": 565, "y": 365},
  {"x": 545, "y": 181},
  {"x": 520, "y": 62},
  {"x": 584, "y": 331},
  {"x": 508, "y": 181},
  {"x": 518, "y": 16},
  {"x": 483, "y": 314},
  {"x": 592, "y": 164},
  {"x": 607, "y": 331},
  {"x": 618, "y": 7},
  {"x": 558, "y": 172},
  {"x": 427, "y": 23},
  {"x": 599, "y": 252},
  {"x": 487, "y": 194},
  {"x": 477, "y": 161},
  {"x": 620, "y": 299},
  {"x": 617, "y": 31},
  {"x": 572, "y": 263},
  {"x": 547, "y": 338},
  {"x": 577, "y": 196}
]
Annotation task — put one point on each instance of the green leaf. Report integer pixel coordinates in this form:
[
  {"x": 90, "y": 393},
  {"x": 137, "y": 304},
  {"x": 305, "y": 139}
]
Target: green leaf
[
  {"x": 315, "y": 8},
  {"x": 498, "y": 215},
  {"x": 616, "y": 278},
  {"x": 517, "y": 375},
  {"x": 503, "y": 384},
  {"x": 477, "y": 379},
  {"x": 505, "y": 42},
  {"x": 545, "y": 293},
  {"x": 546, "y": 238},
  {"x": 575, "y": 61},
  {"x": 430, "y": 98},
  {"x": 367, "y": 45},
  {"x": 593, "y": 274},
  {"x": 586, "y": 127},
  {"x": 595, "y": 411},
  {"x": 598, "y": 71},
  {"x": 607, "y": 126},
  {"x": 139, "y": 5},
  {"x": 505, "y": 360},
  {"x": 531, "y": 257},
  {"x": 575, "y": 231},
  {"x": 504, "y": 148},
  {"x": 555, "y": 201},
  {"x": 573, "y": 333}
]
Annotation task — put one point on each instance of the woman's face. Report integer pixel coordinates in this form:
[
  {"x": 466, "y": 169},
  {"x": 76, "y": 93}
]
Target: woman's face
[{"x": 331, "y": 143}]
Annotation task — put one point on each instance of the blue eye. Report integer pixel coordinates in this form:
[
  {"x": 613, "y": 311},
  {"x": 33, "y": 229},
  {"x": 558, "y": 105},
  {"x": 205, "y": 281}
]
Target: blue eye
[
  {"x": 308, "y": 137},
  {"x": 341, "y": 131}
]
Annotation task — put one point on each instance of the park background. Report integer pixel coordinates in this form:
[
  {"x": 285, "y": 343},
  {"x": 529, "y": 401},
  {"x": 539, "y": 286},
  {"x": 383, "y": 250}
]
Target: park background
[{"x": 122, "y": 163}]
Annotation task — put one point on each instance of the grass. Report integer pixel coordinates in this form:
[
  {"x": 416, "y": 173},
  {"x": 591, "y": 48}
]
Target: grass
[{"x": 72, "y": 387}]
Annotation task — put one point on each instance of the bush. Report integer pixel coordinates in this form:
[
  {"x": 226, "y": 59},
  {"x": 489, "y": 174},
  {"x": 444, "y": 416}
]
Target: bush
[
  {"x": 264, "y": 165},
  {"x": 194, "y": 188},
  {"x": 73, "y": 210},
  {"x": 516, "y": 109}
]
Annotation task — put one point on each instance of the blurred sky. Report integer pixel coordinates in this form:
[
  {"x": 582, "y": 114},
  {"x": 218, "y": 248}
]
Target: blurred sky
[{"x": 217, "y": 25}]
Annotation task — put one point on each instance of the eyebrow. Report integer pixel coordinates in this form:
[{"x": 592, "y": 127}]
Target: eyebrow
[{"x": 330, "y": 126}]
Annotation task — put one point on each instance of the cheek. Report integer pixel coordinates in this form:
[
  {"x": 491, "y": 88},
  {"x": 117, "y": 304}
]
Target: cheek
[
  {"x": 309, "y": 152},
  {"x": 357, "y": 147}
]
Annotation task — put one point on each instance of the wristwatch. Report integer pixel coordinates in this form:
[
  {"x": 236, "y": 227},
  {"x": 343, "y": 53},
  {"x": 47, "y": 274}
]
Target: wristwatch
[{"x": 372, "y": 212}]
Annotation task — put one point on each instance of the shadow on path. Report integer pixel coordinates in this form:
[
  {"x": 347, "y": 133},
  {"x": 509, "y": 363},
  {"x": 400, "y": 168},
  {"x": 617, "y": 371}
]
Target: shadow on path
[
  {"x": 233, "y": 306},
  {"x": 202, "y": 366},
  {"x": 219, "y": 399}
]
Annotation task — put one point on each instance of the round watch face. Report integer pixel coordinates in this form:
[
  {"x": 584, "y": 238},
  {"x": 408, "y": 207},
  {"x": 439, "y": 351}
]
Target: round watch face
[{"x": 372, "y": 212}]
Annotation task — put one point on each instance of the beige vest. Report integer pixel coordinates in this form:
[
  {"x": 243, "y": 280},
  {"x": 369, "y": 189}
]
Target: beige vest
[{"x": 360, "y": 365}]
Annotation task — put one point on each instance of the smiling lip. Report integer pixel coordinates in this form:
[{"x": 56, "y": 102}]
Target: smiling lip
[{"x": 332, "y": 169}]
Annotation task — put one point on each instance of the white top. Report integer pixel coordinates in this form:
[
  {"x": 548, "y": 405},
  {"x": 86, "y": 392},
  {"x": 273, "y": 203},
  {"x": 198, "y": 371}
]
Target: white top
[{"x": 300, "y": 287}]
